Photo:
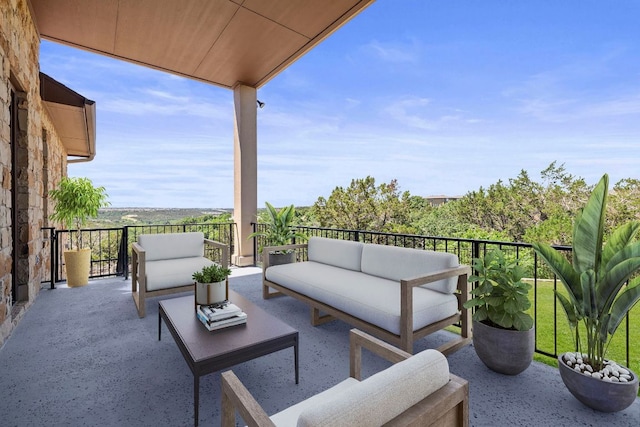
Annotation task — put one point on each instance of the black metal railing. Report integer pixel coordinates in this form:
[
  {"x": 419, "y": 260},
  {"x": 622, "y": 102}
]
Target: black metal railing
[
  {"x": 111, "y": 253},
  {"x": 111, "y": 247}
]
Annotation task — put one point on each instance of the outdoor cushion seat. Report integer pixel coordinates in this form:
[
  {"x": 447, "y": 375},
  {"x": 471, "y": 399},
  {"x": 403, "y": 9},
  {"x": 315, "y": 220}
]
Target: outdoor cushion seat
[{"x": 397, "y": 294}]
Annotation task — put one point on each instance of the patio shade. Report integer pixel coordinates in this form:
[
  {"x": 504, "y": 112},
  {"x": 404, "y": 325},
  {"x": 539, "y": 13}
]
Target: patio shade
[
  {"x": 223, "y": 42},
  {"x": 73, "y": 116}
]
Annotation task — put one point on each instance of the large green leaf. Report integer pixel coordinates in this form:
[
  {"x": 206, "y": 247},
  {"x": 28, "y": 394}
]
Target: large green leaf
[
  {"x": 589, "y": 304},
  {"x": 614, "y": 280},
  {"x": 623, "y": 304},
  {"x": 522, "y": 321},
  {"x": 588, "y": 229},
  {"x": 561, "y": 267},
  {"x": 622, "y": 237},
  {"x": 569, "y": 309}
]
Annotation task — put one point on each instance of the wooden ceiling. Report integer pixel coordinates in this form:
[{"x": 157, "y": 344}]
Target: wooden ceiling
[{"x": 223, "y": 42}]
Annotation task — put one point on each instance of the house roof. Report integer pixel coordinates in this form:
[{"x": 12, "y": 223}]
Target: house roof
[
  {"x": 73, "y": 116},
  {"x": 222, "y": 42}
]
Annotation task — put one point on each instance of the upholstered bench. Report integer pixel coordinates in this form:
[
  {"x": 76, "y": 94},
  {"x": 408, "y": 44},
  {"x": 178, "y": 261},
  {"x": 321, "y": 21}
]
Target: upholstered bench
[
  {"x": 397, "y": 294},
  {"x": 163, "y": 264}
]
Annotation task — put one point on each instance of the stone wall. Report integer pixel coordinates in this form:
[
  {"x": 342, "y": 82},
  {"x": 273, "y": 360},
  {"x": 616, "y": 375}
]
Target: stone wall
[{"x": 40, "y": 162}]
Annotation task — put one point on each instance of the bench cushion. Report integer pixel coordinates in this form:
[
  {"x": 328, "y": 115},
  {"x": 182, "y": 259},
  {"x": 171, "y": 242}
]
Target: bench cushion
[
  {"x": 172, "y": 245},
  {"x": 381, "y": 397},
  {"x": 396, "y": 263},
  {"x": 170, "y": 273},
  {"x": 339, "y": 253},
  {"x": 370, "y": 298}
]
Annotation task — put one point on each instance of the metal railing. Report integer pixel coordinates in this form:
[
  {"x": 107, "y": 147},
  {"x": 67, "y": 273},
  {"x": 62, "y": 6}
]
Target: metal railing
[{"x": 111, "y": 253}]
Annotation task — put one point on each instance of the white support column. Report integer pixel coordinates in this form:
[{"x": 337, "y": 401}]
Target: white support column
[{"x": 245, "y": 171}]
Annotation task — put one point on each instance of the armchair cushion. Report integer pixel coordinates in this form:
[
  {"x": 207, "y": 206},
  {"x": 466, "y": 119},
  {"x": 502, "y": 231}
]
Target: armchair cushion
[
  {"x": 166, "y": 273},
  {"x": 173, "y": 245},
  {"x": 381, "y": 397}
]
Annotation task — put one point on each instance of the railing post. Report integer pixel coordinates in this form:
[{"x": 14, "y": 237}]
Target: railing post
[
  {"x": 123, "y": 253},
  {"x": 254, "y": 228},
  {"x": 232, "y": 246},
  {"x": 52, "y": 257}
]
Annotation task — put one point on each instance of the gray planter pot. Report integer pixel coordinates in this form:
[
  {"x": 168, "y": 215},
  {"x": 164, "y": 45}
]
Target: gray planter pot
[
  {"x": 276, "y": 258},
  {"x": 504, "y": 351},
  {"x": 598, "y": 394}
]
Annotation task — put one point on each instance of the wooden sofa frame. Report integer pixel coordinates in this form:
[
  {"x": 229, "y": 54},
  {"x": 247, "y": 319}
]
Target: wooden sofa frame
[
  {"x": 448, "y": 406},
  {"x": 407, "y": 335},
  {"x": 138, "y": 275}
]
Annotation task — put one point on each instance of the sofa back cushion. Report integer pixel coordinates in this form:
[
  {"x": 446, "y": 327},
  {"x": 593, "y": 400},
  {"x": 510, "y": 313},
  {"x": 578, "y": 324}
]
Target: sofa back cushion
[
  {"x": 383, "y": 396},
  {"x": 395, "y": 263},
  {"x": 172, "y": 245},
  {"x": 339, "y": 253}
]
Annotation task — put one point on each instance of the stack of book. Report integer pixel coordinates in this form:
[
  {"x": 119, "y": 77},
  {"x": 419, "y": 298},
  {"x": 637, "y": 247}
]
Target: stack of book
[{"x": 220, "y": 315}]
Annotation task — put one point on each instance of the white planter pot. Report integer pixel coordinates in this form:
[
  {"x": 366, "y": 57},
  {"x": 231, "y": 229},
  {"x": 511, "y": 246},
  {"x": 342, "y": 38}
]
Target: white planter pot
[{"x": 211, "y": 293}]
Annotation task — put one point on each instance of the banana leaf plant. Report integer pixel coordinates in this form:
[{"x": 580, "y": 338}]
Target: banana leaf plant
[
  {"x": 601, "y": 282},
  {"x": 280, "y": 230}
]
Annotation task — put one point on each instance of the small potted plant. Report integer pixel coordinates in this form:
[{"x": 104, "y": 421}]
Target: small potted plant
[
  {"x": 279, "y": 232},
  {"x": 601, "y": 285},
  {"x": 503, "y": 332},
  {"x": 77, "y": 200},
  {"x": 211, "y": 286}
]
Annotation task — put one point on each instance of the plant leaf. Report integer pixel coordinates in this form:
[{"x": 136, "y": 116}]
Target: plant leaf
[
  {"x": 623, "y": 304},
  {"x": 588, "y": 229}
]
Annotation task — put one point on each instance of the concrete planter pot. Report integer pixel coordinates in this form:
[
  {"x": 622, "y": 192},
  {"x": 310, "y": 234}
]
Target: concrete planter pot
[
  {"x": 597, "y": 394},
  {"x": 278, "y": 258},
  {"x": 504, "y": 351},
  {"x": 77, "y": 265}
]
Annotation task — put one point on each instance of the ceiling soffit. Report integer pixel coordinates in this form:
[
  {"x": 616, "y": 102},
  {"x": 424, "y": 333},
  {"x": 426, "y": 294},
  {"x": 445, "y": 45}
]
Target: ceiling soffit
[{"x": 222, "y": 42}]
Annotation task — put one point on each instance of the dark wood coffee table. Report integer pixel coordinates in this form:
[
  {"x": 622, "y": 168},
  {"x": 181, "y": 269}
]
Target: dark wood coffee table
[{"x": 207, "y": 352}]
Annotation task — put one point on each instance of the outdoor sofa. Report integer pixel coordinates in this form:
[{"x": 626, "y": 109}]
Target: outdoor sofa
[
  {"x": 396, "y": 294},
  {"x": 163, "y": 264},
  {"x": 415, "y": 391}
]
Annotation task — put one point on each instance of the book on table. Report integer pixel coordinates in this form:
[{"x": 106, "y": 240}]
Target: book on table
[{"x": 220, "y": 316}]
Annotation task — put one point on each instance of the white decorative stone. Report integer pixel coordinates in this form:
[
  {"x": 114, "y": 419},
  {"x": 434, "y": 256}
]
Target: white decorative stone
[
  {"x": 623, "y": 379},
  {"x": 607, "y": 379}
]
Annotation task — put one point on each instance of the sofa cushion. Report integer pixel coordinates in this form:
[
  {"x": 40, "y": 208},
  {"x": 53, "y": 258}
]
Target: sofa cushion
[
  {"x": 339, "y": 253},
  {"x": 172, "y": 245},
  {"x": 370, "y": 298},
  {"x": 170, "y": 273},
  {"x": 289, "y": 416},
  {"x": 396, "y": 263},
  {"x": 383, "y": 396}
]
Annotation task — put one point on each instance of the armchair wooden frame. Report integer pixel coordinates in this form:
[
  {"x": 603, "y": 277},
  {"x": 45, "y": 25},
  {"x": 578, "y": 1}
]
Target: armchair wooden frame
[
  {"x": 138, "y": 275},
  {"x": 448, "y": 406},
  {"x": 407, "y": 335}
]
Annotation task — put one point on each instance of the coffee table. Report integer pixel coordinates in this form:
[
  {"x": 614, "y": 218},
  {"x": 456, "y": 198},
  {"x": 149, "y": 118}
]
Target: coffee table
[{"x": 206, "y": 352}]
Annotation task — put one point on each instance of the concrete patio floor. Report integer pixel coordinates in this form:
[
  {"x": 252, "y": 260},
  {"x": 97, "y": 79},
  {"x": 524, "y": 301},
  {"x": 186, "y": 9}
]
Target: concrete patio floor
[{"x": 82, "y": 357}]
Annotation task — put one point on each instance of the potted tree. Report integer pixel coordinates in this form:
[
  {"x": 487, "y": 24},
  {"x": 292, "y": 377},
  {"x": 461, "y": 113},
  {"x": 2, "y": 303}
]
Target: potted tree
[
  {"x": 280, "y": 232},
  {"x": 601, "y": 285},
  {"x": 76, "y": 200},
  {"x": 211, "y": 284},
  {"x": 503, "y": 333}
]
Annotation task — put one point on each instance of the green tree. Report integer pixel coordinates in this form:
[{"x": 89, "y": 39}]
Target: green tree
[{"x": 363, "y": 206}]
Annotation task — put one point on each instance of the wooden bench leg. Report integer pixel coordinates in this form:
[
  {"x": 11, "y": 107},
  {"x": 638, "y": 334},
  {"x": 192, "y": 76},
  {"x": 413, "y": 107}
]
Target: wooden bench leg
[{"x": 317, "y": 319}]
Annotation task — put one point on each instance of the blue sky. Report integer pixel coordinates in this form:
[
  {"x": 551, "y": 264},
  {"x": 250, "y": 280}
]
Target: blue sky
[{"x": 445, "y": 97}]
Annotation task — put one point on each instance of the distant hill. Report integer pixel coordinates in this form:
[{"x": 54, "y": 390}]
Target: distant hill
[{"x": 117, "y": 217}]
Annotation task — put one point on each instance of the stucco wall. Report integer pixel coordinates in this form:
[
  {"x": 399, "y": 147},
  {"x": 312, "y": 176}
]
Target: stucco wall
[{"x": 38, "y": 169}]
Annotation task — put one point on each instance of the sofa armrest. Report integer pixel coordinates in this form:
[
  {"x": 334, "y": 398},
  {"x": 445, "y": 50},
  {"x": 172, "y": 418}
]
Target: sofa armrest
[
  {"x": 236, "y": 396},
  {"x": 267, "y": 249},
  {"x": 138, "y": 259},
  {"x": 359, "y": 340},
  {"x": 224, "y": 260},
  {"x": 406, "y": 300}
]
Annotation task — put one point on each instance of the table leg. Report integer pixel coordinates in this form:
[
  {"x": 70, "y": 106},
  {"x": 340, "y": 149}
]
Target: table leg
[
  {"x": 196, "y": 398},
  {"x": 159, "y": 325},
  {"x": 295, "y": 358}
]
